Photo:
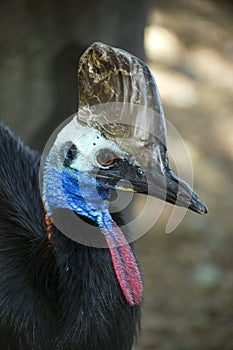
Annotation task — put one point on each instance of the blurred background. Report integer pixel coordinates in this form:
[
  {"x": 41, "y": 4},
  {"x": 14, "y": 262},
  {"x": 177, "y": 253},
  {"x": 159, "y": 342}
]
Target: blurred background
[{"x": 189, "y": 46}]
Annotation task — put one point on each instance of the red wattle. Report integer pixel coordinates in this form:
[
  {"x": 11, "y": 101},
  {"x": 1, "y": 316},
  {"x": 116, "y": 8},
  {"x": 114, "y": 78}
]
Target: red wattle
[{"x": 124, "y": 262}]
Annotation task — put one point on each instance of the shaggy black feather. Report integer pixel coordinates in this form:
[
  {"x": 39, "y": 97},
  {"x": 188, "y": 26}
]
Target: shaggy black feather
[{"x": 59, "y": 295}]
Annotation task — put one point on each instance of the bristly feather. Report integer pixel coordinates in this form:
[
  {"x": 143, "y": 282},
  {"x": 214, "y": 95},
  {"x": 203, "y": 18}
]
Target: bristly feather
[{"x": 59, "y": 295}]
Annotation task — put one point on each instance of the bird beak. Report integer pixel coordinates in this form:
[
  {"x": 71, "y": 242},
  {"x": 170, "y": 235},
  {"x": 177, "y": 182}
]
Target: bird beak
[
  {"x": 172, "y": 189},
  {"x": 155, "y": 181}
]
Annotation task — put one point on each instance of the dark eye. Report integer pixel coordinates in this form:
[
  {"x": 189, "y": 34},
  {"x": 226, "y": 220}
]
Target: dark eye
[{"x": 106, "y": 157}]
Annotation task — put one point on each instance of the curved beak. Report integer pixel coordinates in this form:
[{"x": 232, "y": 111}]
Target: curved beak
[
  {"x": 172, "y": 189},
  {"x": 165, "y": 185}
]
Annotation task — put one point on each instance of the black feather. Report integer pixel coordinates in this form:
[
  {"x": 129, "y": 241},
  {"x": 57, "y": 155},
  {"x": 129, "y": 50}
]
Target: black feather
[{"x": 59, "y": 295}]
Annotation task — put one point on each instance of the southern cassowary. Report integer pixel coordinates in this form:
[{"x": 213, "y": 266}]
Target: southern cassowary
[{"x": 55, "y": 291}]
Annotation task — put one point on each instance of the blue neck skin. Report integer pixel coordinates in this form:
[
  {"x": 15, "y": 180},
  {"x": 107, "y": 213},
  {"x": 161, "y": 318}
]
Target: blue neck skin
[
  {"x": 79, "y": 192},
  {"x": 82, "y": 194}
]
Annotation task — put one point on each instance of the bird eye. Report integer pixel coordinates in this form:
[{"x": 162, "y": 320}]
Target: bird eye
[{"x": 106, "y": 157}]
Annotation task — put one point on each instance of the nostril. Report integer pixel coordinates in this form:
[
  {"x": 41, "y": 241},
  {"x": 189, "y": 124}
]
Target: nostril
[{"x": 184, "y": 195}]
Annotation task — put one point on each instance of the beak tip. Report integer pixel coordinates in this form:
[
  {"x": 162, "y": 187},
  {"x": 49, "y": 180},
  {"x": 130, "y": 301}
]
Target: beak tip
[
  {"x": 205, "y": 209},
  {"x": 198, "y": 206}
]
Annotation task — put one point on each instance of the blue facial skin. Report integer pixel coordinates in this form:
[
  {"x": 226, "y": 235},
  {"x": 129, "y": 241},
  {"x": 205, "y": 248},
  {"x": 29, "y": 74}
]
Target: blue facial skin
[{"x": 79, "y": 192}]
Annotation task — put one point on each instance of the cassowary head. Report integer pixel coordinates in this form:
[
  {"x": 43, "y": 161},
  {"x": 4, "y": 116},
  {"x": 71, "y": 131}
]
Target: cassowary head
[{"x": 118, "y": 136}]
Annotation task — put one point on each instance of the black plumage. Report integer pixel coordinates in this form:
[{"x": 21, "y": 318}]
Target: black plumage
[
  {"x": 53, "y": 295},
  {"x": 56, "y": 293}
]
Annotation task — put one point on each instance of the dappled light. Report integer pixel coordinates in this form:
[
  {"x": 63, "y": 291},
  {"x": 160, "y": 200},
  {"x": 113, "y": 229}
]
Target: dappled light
[{"x": 188, "y": 274}]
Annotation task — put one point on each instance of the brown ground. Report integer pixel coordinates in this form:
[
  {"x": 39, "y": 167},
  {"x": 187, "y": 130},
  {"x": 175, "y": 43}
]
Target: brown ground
[{"x": 189, "y": 273}]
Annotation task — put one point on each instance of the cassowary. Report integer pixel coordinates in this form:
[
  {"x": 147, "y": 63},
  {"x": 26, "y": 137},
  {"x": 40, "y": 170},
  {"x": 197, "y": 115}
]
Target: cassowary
[{"x": 55, "y": 291}]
